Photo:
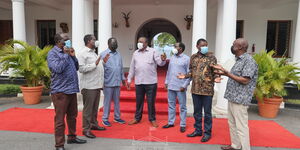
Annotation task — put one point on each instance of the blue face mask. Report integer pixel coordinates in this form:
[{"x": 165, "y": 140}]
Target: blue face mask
[
  {"x": 204, "y": 50},
  {"x": 68, "y": 44}
]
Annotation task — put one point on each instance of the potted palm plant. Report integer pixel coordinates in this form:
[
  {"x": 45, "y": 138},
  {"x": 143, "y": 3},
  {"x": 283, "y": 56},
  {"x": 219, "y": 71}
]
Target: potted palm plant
[
  {"x": 28, "y": 61},
  {"x": 273, "y": 73}
]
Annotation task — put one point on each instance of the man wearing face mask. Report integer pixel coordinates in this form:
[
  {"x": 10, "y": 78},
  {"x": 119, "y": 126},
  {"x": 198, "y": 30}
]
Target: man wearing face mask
[
  {"x": 91, "y": 82},
  {"x": 203, "y": 77},
  {"x": 239, "y": 91},
  {"x": 113, "y": 76},
  {"x": 179, "y": 63},
  {"x": 143, "y": 68},
  {"x": 64, "y": 85}
]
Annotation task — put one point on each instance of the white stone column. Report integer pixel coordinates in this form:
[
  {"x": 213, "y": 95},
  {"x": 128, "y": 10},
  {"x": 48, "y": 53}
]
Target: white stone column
[
  {"x": 229, "y": 29},
  {"x": 199, "y": 31},
  {"x": 296, "y": 53},
  {"x": 104, "y": 24},
  {"x": 78, "y": 32},
  {"x": 199, "y": 22},
  {"x": 226, "y": 33},
  {"x": 19, "y": 28},
  {"x": 219, "y": 30},
  {"x": 89, "y": 16},
  {"x": 78, "y": 28}
]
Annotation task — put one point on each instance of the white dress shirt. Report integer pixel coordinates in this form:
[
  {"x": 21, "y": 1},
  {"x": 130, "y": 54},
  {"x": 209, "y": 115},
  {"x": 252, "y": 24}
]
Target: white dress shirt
[{"x": 91, "y": 75}]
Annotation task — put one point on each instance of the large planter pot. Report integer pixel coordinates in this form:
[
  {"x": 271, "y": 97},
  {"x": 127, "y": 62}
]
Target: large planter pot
[
  {"x": 268, "y": 107},
  {"x": 32, "y": 95}
]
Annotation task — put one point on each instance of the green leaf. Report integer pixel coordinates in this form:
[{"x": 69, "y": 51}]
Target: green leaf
[
  {"x": 273, "y": 74},
  {"x": 165, "y": 39},
  {"x": 26, "y": 60}
]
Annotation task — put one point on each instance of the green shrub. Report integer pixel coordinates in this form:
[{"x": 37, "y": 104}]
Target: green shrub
[
  {"x": 7, "y": 89},
  {"x": 26, "y": 60},
  {"x": 273, "y": 74},
  {"x": 292, "y": 101}
]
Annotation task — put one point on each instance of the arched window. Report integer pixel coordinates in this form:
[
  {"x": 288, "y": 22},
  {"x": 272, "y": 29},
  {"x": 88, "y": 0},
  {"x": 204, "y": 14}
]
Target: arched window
[{"x": 164, "y": 43}]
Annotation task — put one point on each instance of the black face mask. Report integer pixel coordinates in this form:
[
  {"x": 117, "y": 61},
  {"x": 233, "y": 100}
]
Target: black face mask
[
  {"x": 114, "y": 46},
  {"x": 232, "y": 50}
]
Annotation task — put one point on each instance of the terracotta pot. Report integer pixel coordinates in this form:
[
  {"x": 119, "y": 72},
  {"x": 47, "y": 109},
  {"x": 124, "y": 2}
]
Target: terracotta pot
[
  {"x": 32, "y": 95},
  {"x": 269, "y": 107}
]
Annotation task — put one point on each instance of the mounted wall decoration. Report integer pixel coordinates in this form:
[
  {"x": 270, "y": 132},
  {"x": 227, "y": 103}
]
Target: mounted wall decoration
[
  {"x": 126, "y": 17},
  {"x": 115, "y": 25},
  {"x": 188, "y": 19},
  {"x": 130, "y": 47},
  {"x": 64, "y": 27}
]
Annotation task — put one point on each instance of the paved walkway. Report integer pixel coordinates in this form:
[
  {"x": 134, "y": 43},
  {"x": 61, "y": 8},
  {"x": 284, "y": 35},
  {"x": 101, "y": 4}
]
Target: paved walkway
[{"x": 12, "y": 140}]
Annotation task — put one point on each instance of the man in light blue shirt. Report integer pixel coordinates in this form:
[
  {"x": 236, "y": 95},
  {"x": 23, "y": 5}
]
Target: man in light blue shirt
[
  {"x": 113, "y": 76},
  {"x": 179, "y": 63}
]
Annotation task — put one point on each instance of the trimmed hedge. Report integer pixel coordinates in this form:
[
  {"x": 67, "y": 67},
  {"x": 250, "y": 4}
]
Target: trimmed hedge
[
  {"x": 9, "y": 89},
  {"x": 292, "y": 101}
]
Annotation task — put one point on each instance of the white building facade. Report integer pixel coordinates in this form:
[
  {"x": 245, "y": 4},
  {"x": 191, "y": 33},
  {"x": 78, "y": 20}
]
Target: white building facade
[{"x": 264, "y": 23}]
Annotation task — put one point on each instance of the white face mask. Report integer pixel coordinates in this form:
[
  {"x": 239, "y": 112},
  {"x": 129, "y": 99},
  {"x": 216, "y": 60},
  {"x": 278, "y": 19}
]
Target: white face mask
[
  {"x": 174, "y": 51},
  {"x": 140, "y": 45},
  {"x": 97, "y": 43}
]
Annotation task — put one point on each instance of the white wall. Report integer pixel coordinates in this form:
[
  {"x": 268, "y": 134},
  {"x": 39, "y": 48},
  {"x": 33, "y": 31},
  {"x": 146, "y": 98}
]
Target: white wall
[
  {"x": 254, "y": 14},
  {"x": 34, "y": 13},
  {"x": 5, "y": 14},
  {"x": 256, "y": 18},
  {"x": 141, "y": 14}
]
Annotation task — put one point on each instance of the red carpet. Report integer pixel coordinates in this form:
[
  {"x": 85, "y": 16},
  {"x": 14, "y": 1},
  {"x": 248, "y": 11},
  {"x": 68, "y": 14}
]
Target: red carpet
[{"x": 263, "y": 133}]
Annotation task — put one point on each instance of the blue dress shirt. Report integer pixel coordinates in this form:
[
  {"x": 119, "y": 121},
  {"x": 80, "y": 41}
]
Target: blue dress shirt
[
  {"x": 113, "y": 69},
  {"x": 63, "y": 69},
  {"x": 177, "y": 64}
]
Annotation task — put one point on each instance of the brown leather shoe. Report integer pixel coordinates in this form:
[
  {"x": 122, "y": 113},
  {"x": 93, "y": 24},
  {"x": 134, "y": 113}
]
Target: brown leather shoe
[
  {"x": 154, "y": 124},
  {"x": 88, "y": 134},
  {"x": 132, "y": 122},
  {"x": 228, "y": 147}
]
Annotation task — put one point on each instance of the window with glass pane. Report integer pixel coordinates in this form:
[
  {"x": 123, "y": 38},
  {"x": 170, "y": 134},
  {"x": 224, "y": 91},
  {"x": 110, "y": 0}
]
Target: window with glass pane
[
  {"x": 239, "y": 29},
  {"x": 96, "y": 28},
  {"x": 96, "y": 33},
  {"x": 278, "y": 37},
  {"x": 46, "y": 31}
]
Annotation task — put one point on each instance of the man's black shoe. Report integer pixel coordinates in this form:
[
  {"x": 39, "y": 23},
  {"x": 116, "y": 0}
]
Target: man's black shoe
[
  {"x": 88, "y": 134},
  {"x": 194, "y": 134},
  {"x": 182, "y": 129},
  {"x": 205, "y": 138},
  {"x": 168, "y": 126},
  {"x": 76, "y": 141},
  {"x": 98, "y": 128}
]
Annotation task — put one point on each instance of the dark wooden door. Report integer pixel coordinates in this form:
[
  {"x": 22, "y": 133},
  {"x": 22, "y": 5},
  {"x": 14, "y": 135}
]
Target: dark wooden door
[{"x": 6, "y": 30}]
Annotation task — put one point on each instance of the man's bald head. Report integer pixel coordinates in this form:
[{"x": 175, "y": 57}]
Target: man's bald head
[{"x": 241, "y": 43}]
